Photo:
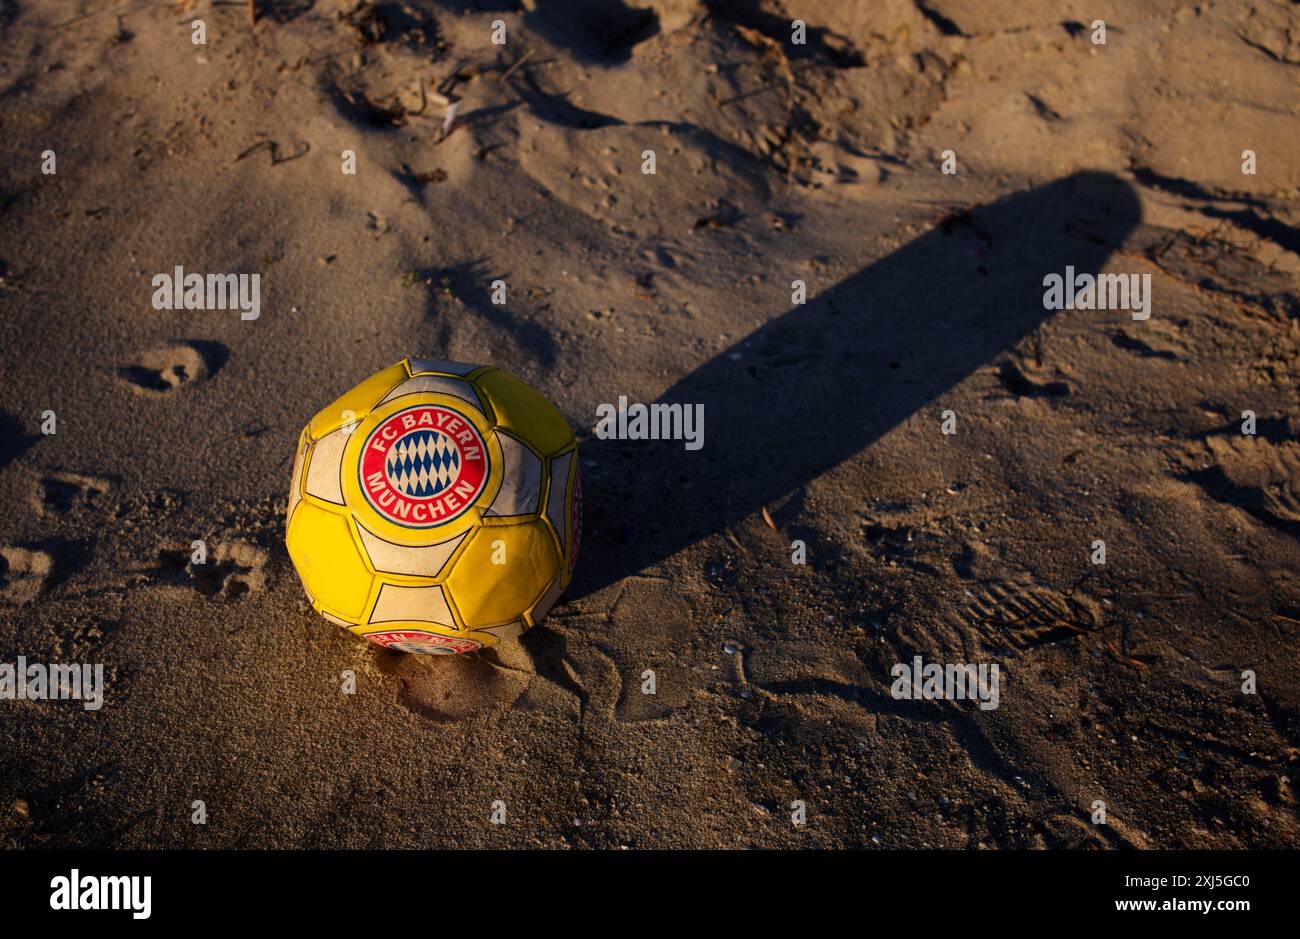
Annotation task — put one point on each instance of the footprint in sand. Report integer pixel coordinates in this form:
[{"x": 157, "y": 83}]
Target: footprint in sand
[
  {"x": 1029, "y": 615},
  {"x": 1256, "y": 475},
  {"x": 533, "y": 674},
  {"x": 169, "y": 368},
  {"x": 23, "y": 575},
  {"x": 1021, "y": 381},
  {"x": 1064, "y": 831},
  {"x": 13, "y": 438},
  {"x": 232, "y": 569},
  {"x": 61, "y": 492},
  {"x": 453, "y": 688}
]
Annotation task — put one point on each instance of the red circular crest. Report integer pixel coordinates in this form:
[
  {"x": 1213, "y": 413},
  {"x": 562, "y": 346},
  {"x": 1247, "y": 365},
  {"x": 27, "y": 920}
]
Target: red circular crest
[
  {"x": 418, "y": 640},
  {"x": 423, "y": 466}
]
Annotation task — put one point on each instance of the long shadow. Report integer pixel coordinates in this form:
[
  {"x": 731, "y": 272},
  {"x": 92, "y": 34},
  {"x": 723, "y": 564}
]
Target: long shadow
[{"x": 820, "y": 383}]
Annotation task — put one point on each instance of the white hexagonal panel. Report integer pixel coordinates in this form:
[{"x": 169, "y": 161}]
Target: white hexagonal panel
[
  {"x": 323, "y": 480},
  {"x": 437, "y": 365},
  {"x": 548, "y": 600},
  {"x": 412, "y": 605},
  {"x": 421, "y": 561},
  {"x": 295, "y": 484},
  {"x": 521, "y": 483},
  {"x": 511, "y": 630},
  {"x": 555, "y": 503},
  {"x": 443, "y": 386}
]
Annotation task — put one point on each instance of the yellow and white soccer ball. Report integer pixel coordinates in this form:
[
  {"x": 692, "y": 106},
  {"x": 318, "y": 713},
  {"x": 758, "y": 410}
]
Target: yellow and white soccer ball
[{"x": 436, "y": 507}]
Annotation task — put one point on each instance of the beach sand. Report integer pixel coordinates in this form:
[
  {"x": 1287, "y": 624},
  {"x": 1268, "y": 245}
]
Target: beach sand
[{"x": 820, "y": 162}]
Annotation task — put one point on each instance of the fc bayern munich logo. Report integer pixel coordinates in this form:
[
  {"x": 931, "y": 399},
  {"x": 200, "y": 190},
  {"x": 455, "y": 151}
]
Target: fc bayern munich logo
[
  {"x": 418, "y": 640},
  {"x": 423, "y": 466}
]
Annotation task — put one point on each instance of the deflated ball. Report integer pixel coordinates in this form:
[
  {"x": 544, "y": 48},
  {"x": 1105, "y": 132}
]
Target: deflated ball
[{"x": 436, "y": 507}]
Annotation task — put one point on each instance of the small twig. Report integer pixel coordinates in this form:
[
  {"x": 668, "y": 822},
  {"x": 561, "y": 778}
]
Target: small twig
[
  {"x": 448, "y": 84},
  {"x": 258, "y": 146},
  {"x": 424, "y": 102},
  {"x": 252, "y": 12},
  {"x": 274, "y": 147},
  {"x": 518, "y": 62},
  {"x": 747, "y": 94}
]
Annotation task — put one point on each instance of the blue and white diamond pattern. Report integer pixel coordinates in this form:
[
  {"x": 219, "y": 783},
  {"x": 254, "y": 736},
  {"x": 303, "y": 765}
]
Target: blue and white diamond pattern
[{"x": 422, "y": 464}]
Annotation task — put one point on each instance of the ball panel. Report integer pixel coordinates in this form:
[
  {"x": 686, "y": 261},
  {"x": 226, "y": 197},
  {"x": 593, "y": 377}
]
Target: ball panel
[
  {"x": 418, "y": 365},
  {"x": 489, "y": 594},
  {"x": 436, "y": 384},
  {"x": 323, "y": 479},
  {"x": 424, "y": 605},
  {"x": 543, "y": 606},
  {"x": 329, "y": 563},
  {"x": 358, "y": 402},
  {"x": 411, "y": 561},
  {"x": 557, "y": 503},
  {"x": 521, "y": 480},
  {"x": 491, "y": 635},
  {"x": 575, "y": 514},
  {"x": 524, "y": 412},
  {"x": 295, "y": 481}
]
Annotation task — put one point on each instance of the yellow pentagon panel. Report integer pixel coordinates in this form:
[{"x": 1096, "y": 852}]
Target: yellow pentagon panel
[
  {"x": 421, "y": 468},
  {"x": 356, "y": 402},
  {"x": 524, "y": 412},
  {"x": 502, "y": 572},
  {"x": 328, "y": 560}
]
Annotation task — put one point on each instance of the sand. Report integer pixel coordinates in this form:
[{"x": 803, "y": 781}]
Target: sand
[{"x": 1121, "y": 683}]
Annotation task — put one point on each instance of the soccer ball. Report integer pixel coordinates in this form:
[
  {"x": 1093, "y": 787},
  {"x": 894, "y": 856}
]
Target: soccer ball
[{"x": 436, "y": 507}]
